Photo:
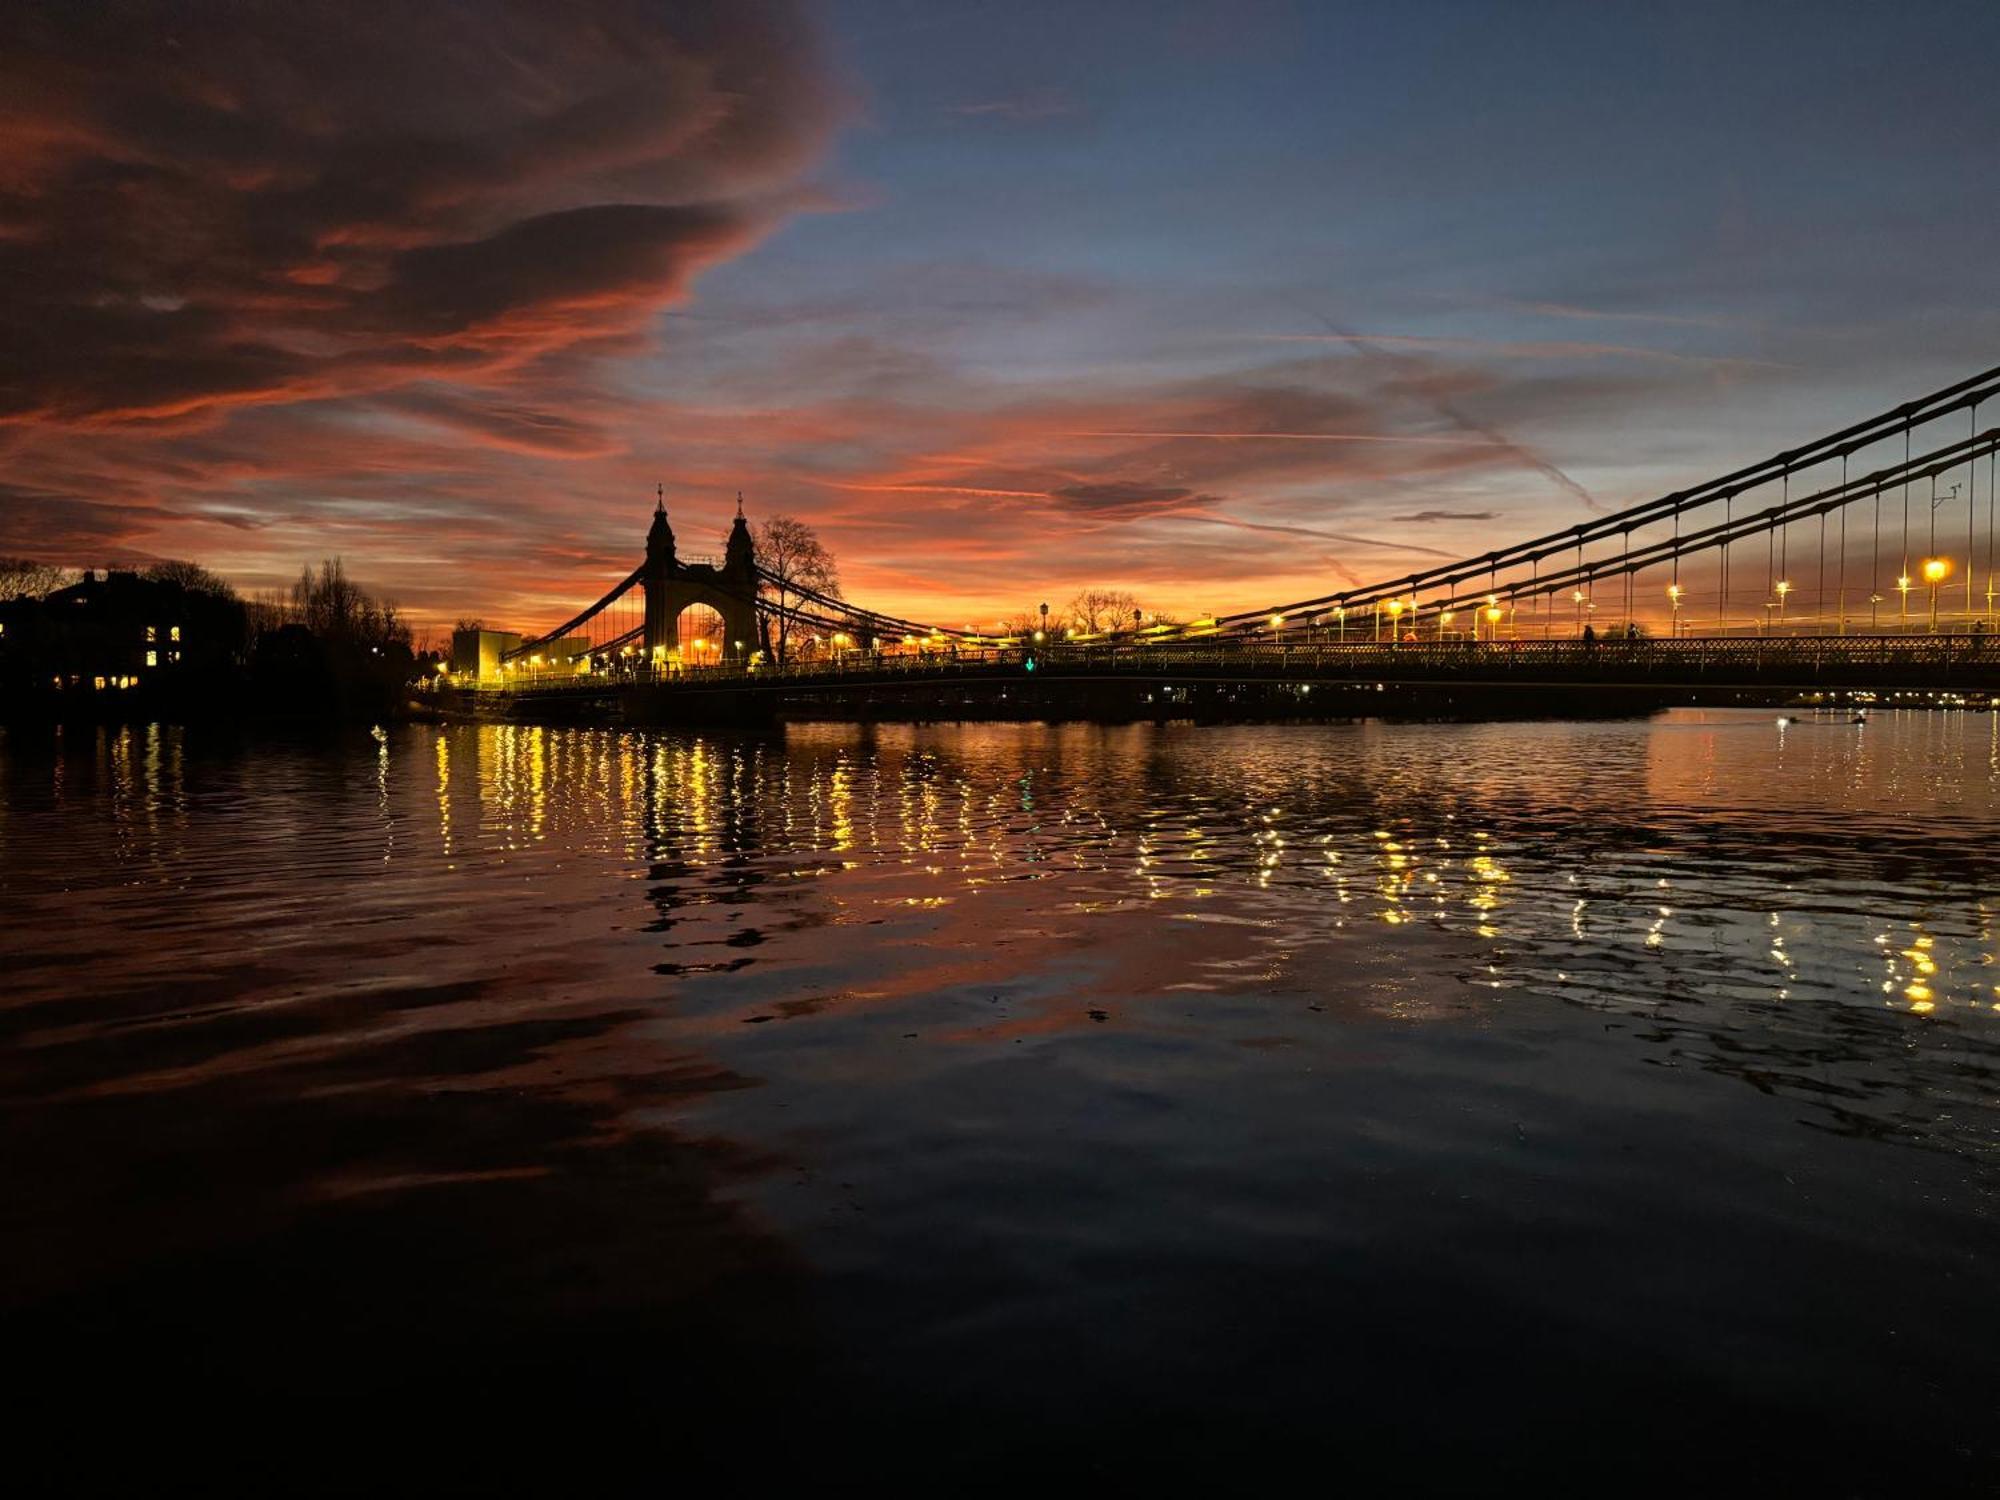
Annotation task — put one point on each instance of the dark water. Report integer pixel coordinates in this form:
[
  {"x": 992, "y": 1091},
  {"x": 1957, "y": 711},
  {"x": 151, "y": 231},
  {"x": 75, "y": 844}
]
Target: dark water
[{"x": 1431, "y": 1107}]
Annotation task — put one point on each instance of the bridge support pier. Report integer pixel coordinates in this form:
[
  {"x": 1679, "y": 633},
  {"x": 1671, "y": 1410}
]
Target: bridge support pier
[{"x": 715, "y": 708}]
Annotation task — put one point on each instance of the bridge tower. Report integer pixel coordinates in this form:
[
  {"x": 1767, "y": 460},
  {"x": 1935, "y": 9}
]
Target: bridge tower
[{"x": 672, "y": 585}]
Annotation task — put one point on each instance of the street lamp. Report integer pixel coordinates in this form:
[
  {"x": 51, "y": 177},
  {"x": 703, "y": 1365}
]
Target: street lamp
[
  {"x": 1445, "y": 617},
  {"x": 1395, "y": 609},
  {"x": 1493, "y": 613},
  {"x": 1674, "y": 598},
  {"x": 1903, "y": 601},
  {"x": 1783, "y": 588},
  {"x": 1936, "y": 571}
]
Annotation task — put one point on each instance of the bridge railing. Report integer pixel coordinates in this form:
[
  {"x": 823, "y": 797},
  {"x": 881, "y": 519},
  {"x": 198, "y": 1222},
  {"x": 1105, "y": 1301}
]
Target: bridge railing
[{"x": 1803, "y": 658}]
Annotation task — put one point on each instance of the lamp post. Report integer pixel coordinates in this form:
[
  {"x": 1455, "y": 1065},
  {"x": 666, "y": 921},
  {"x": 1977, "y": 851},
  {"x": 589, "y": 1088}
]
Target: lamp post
[
  {"x": 1395, "y": 609},
  {"x": 1674, "y": 599},
  {"x": 1493, "y": 614},
  {"x": 1903, "y": 602},
  {"x": 1936, "y": 571},
  {"x": 1783, "y": 588}
]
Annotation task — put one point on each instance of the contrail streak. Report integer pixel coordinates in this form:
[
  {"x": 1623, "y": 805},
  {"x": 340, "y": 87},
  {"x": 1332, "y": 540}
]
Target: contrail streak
[
  {"x": 1323, "y": 536},
  {"x": 1460, "y": 419},
  {"x": 1303, "y": 437}
]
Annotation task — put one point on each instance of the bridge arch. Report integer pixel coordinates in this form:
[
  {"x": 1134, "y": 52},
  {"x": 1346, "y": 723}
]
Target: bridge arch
[
  {"x": 701, "y": 635},
  {"x": 673, "y": 587}
]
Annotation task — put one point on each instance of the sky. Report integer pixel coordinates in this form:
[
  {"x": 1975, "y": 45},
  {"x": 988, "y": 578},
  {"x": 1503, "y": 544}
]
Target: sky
[{"x": 1218, "y": 303}]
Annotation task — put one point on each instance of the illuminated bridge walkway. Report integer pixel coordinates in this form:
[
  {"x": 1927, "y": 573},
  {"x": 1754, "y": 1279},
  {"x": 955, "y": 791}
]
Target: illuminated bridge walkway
[
  {"x": 1865, "y": 559},
  {"x": 1967, "y": 665}
]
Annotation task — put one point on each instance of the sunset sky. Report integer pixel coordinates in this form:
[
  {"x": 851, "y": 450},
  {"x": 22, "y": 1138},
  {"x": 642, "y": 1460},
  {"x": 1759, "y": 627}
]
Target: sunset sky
[{"x": 1219, "y": 303}]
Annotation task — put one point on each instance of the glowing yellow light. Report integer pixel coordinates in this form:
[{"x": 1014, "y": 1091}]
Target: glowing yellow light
[
  {"x": 1395, "y": 607},
  {"x": 1674, "y": 592},
  {"x": 1493, "y": 612},
  {"x": 1936, "y": 569},
  {"x": 1576, "y": 596},
  {"x": 1276, "y": 621},
  {"x": 1784, "y": 588}
]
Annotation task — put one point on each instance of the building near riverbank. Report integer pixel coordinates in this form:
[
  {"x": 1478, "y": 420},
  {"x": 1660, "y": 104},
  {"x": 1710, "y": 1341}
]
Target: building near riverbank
[{"x": 116, "y": 631}]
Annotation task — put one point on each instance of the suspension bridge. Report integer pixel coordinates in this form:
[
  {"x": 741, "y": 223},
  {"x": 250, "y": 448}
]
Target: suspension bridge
[{"x": 1864, "y": 560}]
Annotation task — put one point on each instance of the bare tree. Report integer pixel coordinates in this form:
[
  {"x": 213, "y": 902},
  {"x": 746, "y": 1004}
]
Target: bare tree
[
  {"x": 24, "y": 578},
  {"x": 794, "y": 560},
  {"x": 1095, "y": 611},
  {"x": 191, "y": 577},
  {"x": 331, "y": 605},
  {"x": 269, "y": 610}
]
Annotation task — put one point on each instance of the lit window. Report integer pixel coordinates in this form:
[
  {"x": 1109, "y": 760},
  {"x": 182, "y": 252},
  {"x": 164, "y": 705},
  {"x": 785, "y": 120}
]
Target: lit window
[
  {"x": 98, "y": 683},
  {"x": 173, "y": 632},
  {"x": 152, "y": 658},
  {"x": 152, "y": 632}
]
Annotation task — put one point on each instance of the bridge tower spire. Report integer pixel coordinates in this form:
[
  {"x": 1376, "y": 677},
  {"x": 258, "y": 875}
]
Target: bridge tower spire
[
  {"x": 739, "y": 557},
  {"x": 658, "y": 576}
]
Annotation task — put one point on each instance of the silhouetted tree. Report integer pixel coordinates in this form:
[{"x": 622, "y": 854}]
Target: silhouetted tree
[
  {"x": 1097, "y": 610},
  {"x": 24, "y": 578},
  {"x": 191, "y": 577},
  {"x": 335, "y": 608},
  {"x": 791, "y": 553}
]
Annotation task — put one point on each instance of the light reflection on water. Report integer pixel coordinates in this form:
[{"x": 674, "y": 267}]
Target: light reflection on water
[{"x": 820, "y": 946}]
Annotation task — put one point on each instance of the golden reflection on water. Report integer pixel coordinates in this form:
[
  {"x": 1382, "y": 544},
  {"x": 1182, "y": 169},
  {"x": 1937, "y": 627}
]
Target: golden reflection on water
[
  {"x": 960, "y": 815},
  {"x": 1736, "y": 886}
]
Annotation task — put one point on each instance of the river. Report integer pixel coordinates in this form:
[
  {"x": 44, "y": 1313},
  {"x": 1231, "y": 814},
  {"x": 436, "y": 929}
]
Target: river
[{"x": 1438, "y": 1105}]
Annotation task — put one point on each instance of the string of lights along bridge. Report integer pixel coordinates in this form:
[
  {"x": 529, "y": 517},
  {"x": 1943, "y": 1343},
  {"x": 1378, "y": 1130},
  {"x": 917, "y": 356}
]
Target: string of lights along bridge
[{"x": 1884, "y": 528}]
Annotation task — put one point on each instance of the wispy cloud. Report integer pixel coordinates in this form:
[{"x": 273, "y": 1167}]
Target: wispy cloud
[
  {"x": 1297, "y": 437},
  {"x": 1030, "y": 108},
  {"x": 1603, "y": 315},
  {"x": 1524, "y": 348}
]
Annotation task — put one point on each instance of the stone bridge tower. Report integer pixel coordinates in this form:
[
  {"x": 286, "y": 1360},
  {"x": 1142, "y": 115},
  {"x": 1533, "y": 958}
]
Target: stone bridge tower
[{"x": 672, "y": 585}]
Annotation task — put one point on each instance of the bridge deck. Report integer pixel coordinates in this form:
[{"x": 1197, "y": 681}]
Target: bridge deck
[{"x": 1966, "y": 662}]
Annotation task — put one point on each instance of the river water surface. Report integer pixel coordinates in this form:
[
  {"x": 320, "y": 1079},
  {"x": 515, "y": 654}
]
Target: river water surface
[{"x": 1439, "y": 1104}]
